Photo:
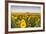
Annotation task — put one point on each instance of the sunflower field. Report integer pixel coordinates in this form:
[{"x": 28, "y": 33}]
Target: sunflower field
[{"x": 25, "y": 20}]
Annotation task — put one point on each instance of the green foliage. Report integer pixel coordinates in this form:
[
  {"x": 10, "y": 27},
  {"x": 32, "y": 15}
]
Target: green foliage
[{"x": 33, "y": 21}]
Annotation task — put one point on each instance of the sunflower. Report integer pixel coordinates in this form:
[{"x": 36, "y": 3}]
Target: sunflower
[
  {"x": 23, "y": 23},
  {"x": 16, "y": 17},
  {"x": 18, "y": 22},
  {"x": 12, "y": 18}
]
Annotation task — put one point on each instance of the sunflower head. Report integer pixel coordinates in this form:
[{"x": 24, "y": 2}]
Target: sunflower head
[
  {"x": 16, "y": 17},
  {"x": 12, "y": 18},
  {"x": 23, "y": 23}
]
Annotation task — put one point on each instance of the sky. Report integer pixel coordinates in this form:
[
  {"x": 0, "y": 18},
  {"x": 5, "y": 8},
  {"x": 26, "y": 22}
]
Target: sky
[{"x": 34, "y": 9}]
